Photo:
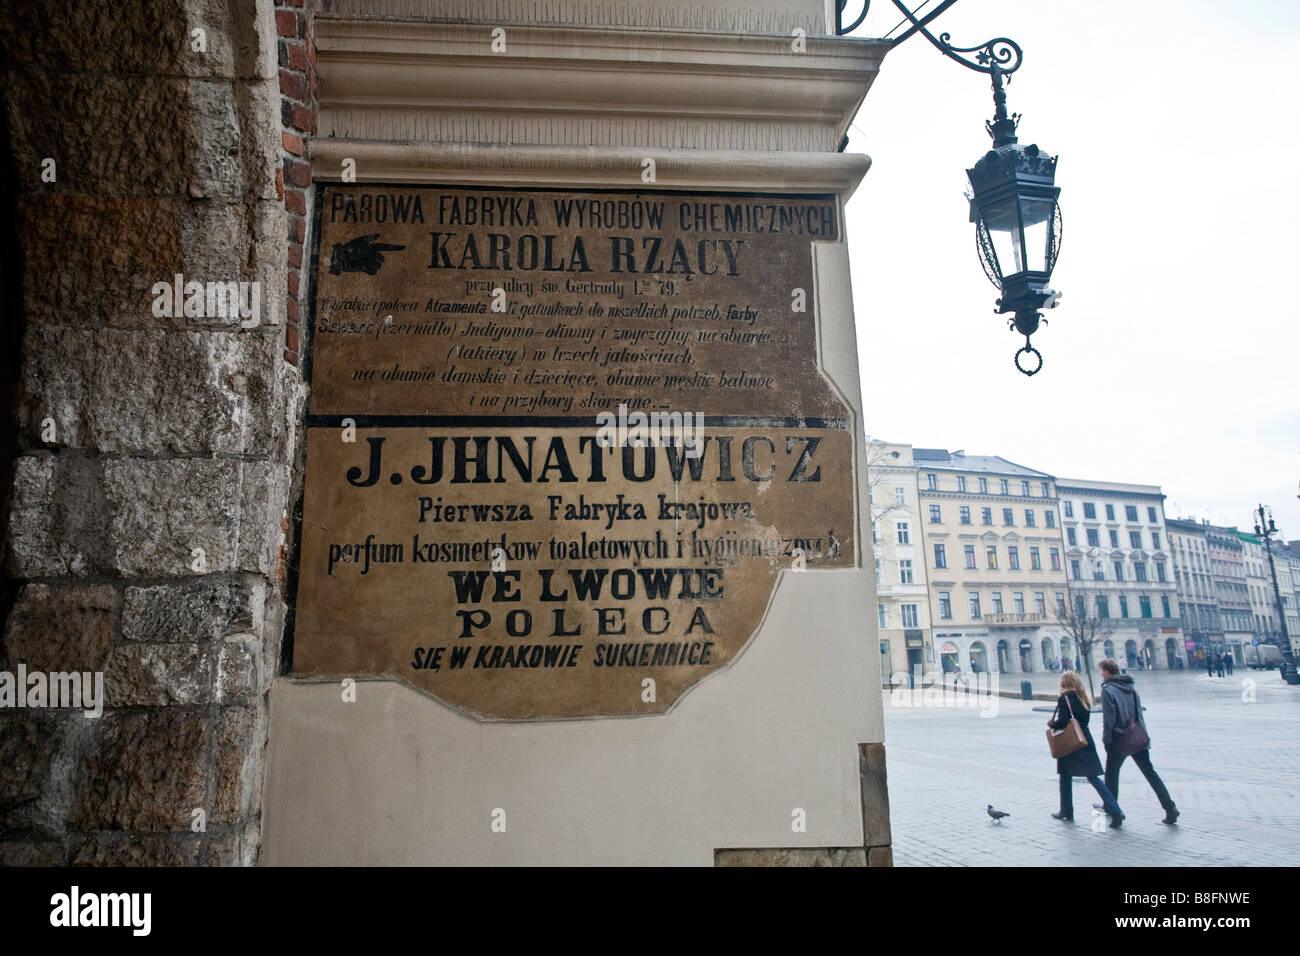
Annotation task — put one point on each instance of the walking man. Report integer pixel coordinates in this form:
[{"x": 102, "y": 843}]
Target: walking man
[
  {"x": 1227, "y": 659},
  {"x": 1121, "y": 710}
]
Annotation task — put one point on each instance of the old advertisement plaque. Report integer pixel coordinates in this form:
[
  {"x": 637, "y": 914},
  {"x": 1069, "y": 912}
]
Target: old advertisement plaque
[{"x": 560, "y": 444}]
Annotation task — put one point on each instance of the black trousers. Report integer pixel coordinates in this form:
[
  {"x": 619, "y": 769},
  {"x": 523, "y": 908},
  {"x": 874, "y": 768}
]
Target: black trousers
[{"x": 1142, "y": 758}]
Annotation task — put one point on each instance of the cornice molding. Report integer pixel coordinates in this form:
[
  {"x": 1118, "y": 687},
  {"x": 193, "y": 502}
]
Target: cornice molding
[
  {"x": 588, "y": 167},
  {"x": 439, "y": 81}
]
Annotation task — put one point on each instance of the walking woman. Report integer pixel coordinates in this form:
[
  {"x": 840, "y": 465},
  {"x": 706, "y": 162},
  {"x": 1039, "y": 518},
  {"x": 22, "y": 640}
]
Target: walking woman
[{"x": 1074, "y": 702}]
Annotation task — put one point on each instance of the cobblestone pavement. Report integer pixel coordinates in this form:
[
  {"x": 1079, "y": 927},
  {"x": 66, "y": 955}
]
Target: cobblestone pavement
[{"x": 1232, "y": 767}]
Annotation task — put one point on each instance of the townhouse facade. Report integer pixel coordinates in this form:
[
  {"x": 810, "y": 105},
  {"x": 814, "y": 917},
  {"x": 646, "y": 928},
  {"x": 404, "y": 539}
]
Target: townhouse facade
[
  {"x": 1227, "y": 557},
  {"x": 902, "y": 593},
  {"x": 1118, "y": 560},
  {"x": 1266, "y": 625},
  {"x": 993, "y": 544},
  {"x": 1189, "y": 552}
]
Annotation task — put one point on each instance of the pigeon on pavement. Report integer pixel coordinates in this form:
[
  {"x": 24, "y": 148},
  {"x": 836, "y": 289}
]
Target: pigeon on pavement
[{"x": 997, "y": 815}]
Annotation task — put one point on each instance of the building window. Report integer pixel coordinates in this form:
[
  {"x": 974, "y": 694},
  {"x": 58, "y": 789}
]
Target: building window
[
  {"x": 1114, "y": 539},
  {"x": 1046, "y": 491},
  {"x": 1008, "y": 516},
  {"x": 1003, "y": 487},
  {"x": 1069, "y": 509},
  {"x": 1018, "y": 602},
  {"x": 1160, "y": 574},
  {"x": 975, "y": 614},
  {"x": 1110, "y": 512},
  {"x": 1098, "y": 574},
  {"x": 932, "y": 482},
  {"x": 1103, "y": 606},
  {"x": 1144, "y": 603},
  {"x": 900, "y": 496},
  {"x": 1139, "y": 570},
  {"x": 1135, "y": 539},
  {"x": 1079, "y": 606},
  {"x": 1049, "y": 518},
  {"x": 1151, "y": 515},
  {"x": 1123, "y": 606},
  {"x": 1070, "y": 538},
  {"x": 905, "y": 572},
  {"x": 945, "y": 605},
  {"x": 1131, "y": 512},
  {"x": 1030, "y": 520},
  {"x": 1094, "y": 540},
  {"x": 1035, "y": 560},
  {"x": 969, "y": 552},
  {"x": 1055, "y": 555},
  {"x": 986, "y": 516},
  {"x": 1119, "y": 570},
  {"x": 1060, "y": 604},
  {"x": 1089, "y": 510},
  {"x": 936, "y": 515},
  {"x": 904, "y": 533},
  {"x": 991, "y": 557},
  {"x": 940, "y": 556},
  {"x": 877, "y": 571},
  {"x": 984, "y": 485},
  {"x": 1013, "y": 559},
  {"x": 963, "y": 514},
  {"x": 1040, "y": 603},
  {"x": 1164, "y": 605},
  {"x": 880, "y": 615},
  {"x": 1024, "y": 489},
  {"x": 961, "y": 482},
  {"x": 997, "y": 602},
  {"x": 875, "y": 532},
  {"x": 1074, "y": 570},
  {"x": 910, "y": 616},
  {"x": 1155, "y": 540}
]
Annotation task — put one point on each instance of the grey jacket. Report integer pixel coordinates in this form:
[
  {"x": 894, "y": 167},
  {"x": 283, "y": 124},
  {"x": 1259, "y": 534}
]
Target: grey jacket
[{"x": 1120, "y": 705}]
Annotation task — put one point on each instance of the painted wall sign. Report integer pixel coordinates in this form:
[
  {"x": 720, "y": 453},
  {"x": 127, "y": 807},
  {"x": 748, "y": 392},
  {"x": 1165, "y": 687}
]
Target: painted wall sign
[{"x": 560, "y": 444}]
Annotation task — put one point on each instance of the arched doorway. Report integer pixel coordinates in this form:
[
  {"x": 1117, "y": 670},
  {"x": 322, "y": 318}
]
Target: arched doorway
[
  {"x": 1050, "y": 660},
  {"x": 1004, "y": 658},
  {"x": 1149, "y": 654},
  {"x": 1109, "y": 648},
  {"x": 948, "y": 657},
  {"x": 1067, "y": 655},
  {"x": 1171, "y": 653},
  {"x": 1026, "y": 656},
  {"x": 1131, "y": 653},
  {"x": 979, "y": 663}
]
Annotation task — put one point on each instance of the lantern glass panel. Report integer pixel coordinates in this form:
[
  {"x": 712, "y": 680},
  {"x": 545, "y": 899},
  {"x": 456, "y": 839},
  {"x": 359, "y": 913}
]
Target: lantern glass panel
[
  {"x": 1003, "y": 223},
  {"x": 1037, "y": 216}
]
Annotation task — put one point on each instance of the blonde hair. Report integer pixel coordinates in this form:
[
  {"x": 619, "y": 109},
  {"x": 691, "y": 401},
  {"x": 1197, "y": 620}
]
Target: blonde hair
[{"x": 1070, "y": 681}]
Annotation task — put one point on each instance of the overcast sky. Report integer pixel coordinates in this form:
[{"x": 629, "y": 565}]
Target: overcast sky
[{"x": 1172, "y": 359}]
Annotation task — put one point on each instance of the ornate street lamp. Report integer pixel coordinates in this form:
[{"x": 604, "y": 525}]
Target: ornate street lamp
[
  {"x": 1016, "y": 215},
  {"x": 1013, "y": 197}
]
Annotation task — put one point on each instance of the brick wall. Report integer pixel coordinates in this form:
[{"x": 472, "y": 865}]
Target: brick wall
[{"x": 299, "y": 91}]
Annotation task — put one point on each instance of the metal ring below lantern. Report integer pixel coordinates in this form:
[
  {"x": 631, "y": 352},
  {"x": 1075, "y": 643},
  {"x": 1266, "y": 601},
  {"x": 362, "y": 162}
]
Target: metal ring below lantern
[{"x": 1027, "y": 348}]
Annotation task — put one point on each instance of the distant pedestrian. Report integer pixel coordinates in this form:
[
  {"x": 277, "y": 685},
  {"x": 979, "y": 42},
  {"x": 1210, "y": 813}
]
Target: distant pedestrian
[
  {"x": 1209, "y": 664},
  {"x": 1218, "y": 663},
  {"x": 1121, "y": 710},
  {"x": 1074, "y": 702},
  {"x": 1227, "y": 659}
]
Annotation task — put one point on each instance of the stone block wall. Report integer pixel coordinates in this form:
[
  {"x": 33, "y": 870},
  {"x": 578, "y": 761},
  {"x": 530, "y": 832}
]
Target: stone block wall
[{"x": 147, "y": 457}]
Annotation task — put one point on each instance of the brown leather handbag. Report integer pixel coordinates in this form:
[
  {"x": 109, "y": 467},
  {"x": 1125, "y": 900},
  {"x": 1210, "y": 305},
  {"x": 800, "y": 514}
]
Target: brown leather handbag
[{"x": 1068, "y": 739}]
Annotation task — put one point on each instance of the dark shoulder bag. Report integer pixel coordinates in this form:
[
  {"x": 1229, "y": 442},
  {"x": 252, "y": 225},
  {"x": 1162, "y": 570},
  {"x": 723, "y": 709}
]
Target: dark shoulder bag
[{"x": 1132, "y": 738}]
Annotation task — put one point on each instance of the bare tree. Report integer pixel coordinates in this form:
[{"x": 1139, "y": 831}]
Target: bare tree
[
  {"x": 1086, "y": 628},
  {"x": 881, "y": 458}
]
